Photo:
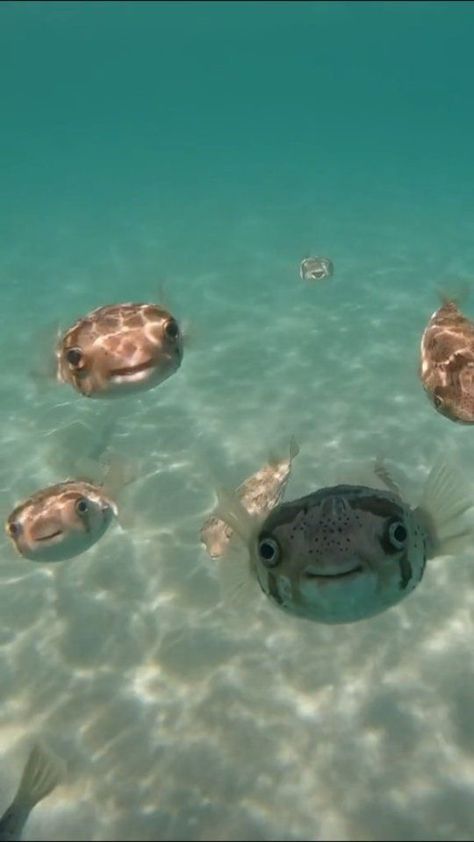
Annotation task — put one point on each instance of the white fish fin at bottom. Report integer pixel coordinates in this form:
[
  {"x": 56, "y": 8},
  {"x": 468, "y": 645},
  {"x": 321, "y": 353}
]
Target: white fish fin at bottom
[
  {"x": 42, "y": 773},
  {"x": 445, "y": 502}
]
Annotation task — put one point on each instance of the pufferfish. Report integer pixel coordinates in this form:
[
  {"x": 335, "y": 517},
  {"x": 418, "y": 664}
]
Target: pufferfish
[
  {"x": 259, "y": 494},
  {"x": 60, "y": 521},
  {"x": 447, "y": 363},
  {"x": 347, "y": 552},
  {"x": 119, "y": 349},
  {"x": 316, "y": 268}
]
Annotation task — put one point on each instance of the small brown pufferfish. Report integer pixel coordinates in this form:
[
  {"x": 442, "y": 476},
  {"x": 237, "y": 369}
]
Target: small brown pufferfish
[
  {"x": 316, "y": 268},
  {"x": 259, "y": 494},
  {"x": 60, "y": 521},
  {"x": 119, "y": 349},
  {"x": 447, "y": 363}
]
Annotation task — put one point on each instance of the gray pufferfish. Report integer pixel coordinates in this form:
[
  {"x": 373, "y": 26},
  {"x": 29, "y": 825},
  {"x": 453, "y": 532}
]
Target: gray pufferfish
[{"x": 348, "y": 552}]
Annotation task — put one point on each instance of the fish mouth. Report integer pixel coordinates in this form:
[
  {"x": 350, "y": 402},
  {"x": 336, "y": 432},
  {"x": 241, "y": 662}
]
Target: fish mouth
[
  {"x": 49, "y": 536},
  {"x": 130, "y": 370},
  {"x": 330, "y": 577}
]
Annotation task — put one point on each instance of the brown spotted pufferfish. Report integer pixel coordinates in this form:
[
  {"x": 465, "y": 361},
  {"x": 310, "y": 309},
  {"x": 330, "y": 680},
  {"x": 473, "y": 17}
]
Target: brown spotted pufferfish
[
  {"x": 447, "y": 363},
  {"x": 119, "y": 349}
]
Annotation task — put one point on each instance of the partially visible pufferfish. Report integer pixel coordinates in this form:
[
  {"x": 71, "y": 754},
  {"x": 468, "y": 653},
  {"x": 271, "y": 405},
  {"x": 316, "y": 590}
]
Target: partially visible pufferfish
[
  {"x": 119, "y": 349},
  {"x": 347, "y": 552},
  {"x": 447, "y": 363},
  {"x": 60, "y": 521},
  {"x": 260, "y": 493}
]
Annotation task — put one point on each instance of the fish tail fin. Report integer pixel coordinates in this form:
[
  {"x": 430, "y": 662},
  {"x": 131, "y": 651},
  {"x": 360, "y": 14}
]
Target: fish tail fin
[
  {"x": 446, "y": 499},
  {"x": 118, "y": 473},
  {"x": 274, "y": 458},
  {"x": 42, "y": 773},
  {"x": 294, "y": 448}
]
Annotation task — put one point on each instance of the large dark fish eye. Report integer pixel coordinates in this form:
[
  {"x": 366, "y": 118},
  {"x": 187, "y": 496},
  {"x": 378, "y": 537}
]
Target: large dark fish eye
[
  {"x": 437, "y": 401},
  {"x": 14, "y": 529},
  {"x": 75, "y": 357},
  {"x": 397, "y": 534},
  {"x": 82, "y": 506},
  {"x": 269, "y": 552},
  {"x": 172, "y": 329}
]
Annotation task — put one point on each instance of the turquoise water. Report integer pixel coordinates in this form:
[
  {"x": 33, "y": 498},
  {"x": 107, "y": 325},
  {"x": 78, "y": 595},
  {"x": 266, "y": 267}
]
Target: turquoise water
[{"x": 195, "y": 153}]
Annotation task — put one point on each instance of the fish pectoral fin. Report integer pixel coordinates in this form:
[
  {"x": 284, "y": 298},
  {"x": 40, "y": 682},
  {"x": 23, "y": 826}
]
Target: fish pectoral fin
[
  {"x": 42, "y": 773},
  {"x": 231, "y": 510},
  {"x": 382, "y": 472},
  {"x": 446, "y": 500},
  {"x": 237, "y": 583},
  {"x": 45, "y": 366}
]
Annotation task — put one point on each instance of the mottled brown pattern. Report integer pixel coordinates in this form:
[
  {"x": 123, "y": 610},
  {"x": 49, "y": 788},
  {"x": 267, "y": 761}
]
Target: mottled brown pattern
[
  {"x": 259, "y": 494},
  {"x": 447, "y": 363},
  {"x": 52, "y": 512},
  {"x": 120, "y": 348}
]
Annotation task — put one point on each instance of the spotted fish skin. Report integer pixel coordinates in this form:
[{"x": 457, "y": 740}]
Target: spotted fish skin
[
  {"x": 119, "y": 349},
  {"x": 447, "y": 363},
  {"x": 344, "y": 553}
]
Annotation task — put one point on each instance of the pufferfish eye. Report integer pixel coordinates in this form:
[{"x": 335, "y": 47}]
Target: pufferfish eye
[
  {"x": 397, "y": 534},
  {"x": 75, "y": 357},
  {"x": 269, "y": 552},
  {"x": 13, "y": 529},
  {"x": 172, "y": 329},
  {"x": 81, "y": 506},
  {"x": 437, "y": 401}
]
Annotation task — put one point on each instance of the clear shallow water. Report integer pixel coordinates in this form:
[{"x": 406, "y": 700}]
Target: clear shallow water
[{"x": 204, "y": 149}]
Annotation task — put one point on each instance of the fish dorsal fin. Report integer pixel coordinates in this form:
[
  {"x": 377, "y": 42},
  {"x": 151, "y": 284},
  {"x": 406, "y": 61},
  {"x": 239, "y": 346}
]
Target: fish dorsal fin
[{"x": 446, "y": 500}]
